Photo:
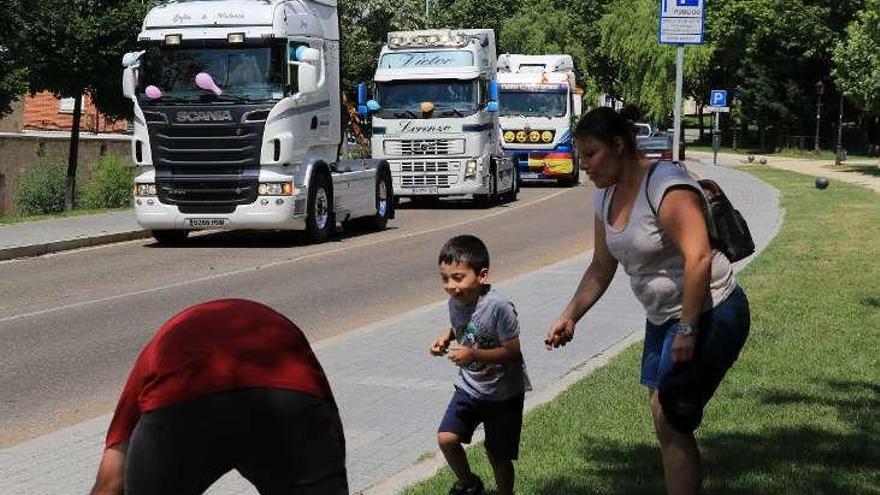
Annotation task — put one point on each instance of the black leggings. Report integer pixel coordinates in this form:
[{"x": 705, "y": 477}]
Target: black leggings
[{"x": 282, "y": 441}]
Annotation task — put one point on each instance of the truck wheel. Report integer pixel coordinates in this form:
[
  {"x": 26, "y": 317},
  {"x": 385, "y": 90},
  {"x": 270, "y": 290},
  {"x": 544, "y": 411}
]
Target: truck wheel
[
  {"x": 571, "y": 180},
  {"x": 170, "y": 237},
  {"x": 320, "y": 222},
  {"x": 385, "y": 201}
]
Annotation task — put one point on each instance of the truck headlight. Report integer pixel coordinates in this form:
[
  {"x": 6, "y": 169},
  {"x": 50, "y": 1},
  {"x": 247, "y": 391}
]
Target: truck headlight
[
  {"x": 145, "y": 189},
  {"x": 275, "y": 189},
  {"x": 470, "y": 169}
]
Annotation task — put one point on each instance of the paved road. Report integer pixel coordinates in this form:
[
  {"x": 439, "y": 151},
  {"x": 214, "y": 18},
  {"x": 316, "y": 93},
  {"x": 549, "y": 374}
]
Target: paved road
[{"x": 72, "y": 323}]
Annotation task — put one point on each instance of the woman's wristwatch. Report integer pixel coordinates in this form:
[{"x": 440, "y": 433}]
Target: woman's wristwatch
[{"x": 685, "y": 329}]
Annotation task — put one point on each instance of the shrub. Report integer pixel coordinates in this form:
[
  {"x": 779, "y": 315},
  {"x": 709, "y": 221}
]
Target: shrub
[
  {"x": 41, "y": 189},
  {"x": 110, "y": 187}
]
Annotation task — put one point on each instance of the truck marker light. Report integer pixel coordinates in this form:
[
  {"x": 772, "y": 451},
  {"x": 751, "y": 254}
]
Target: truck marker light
[
  {"x": 235, "y": 38},
  {"x": 172, "y": 39},
  {"x": 509, "y": 136},
  {"x": 534, "y": 136},
  {"x": 546, "y": 136}
]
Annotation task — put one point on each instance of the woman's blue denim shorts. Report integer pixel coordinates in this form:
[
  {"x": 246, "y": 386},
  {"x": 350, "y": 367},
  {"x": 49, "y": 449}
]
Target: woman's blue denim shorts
[{"x": 722, "y": 331}]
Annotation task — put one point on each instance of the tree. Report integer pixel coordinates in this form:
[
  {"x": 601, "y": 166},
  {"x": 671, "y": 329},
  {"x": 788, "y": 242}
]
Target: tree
[
  {"x": 857, "y": 59},
  {"x": 541, "y": 28},
  {"x": 13, "y": 82},
  {"x": 364, "y": 25},
  {"x": 645, "y": 69},
  {"x": 74, "y": 47}
]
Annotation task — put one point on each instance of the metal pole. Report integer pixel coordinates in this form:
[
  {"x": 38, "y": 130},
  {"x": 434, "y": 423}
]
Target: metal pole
[
  {"x": 427, "y": 11},
  {"x": 839, "y": 150},
  {"x": 818, "y": 118},
  {"x": 716, "y": 138},
  {"x": 679, "y": 83}
]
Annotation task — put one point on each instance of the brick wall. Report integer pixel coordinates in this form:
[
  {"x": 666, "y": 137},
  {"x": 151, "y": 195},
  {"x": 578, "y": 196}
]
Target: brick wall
[{"x": 44, "y": 112}]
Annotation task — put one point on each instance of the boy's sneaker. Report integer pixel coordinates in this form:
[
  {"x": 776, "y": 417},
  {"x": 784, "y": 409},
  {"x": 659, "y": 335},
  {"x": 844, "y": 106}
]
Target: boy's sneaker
[{"x": 475, "y": 489}]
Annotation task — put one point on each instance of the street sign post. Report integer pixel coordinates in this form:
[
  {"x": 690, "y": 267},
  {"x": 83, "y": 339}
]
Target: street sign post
[
  {"x": 718, "y": 101},
  {"x": 681, "y": 23}
]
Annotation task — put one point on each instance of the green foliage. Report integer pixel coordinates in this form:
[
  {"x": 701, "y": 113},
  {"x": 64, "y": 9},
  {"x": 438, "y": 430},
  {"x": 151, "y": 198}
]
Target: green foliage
[
  {"x": 543, "y": 29},
  {"x": 41, "y": 189},
  {"x": 74, "y": 47},
  {"x": 13, "y": 74},
  {"x": 110, "y": 187},
  {"x": 645, "y": 70},
  {"x": 857, "y": 59}
]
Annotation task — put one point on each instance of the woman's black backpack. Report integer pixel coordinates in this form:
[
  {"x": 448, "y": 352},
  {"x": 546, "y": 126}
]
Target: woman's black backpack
[{"x": 728, "y": 231}]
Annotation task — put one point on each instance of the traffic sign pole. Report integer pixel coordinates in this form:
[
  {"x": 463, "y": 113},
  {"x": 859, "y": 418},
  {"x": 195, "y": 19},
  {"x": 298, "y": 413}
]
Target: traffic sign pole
[{"x": 679, "y": 84}]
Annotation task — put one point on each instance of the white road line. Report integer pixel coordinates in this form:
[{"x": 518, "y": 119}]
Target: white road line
[{"x": 284, "y": 262}]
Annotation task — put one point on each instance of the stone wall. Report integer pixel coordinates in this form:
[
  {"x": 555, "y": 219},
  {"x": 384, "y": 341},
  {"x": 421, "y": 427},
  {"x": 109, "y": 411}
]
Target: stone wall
[
  {"x": 18, "y": 152},
  {"x": 14, "y": 122}
]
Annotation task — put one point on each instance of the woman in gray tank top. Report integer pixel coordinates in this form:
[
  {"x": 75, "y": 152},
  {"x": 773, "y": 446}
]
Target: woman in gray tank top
[{"x": 697, "y": 317}]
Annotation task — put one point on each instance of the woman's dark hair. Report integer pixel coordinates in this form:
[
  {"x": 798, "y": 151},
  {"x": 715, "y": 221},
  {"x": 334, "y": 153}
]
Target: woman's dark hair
[
  {"x": 604, "y": 124},
  {"x": 465, "y": 249}
]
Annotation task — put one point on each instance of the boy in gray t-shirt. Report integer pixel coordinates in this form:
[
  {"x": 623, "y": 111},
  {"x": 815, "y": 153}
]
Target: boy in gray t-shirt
[{"x": 492, "y": 378}]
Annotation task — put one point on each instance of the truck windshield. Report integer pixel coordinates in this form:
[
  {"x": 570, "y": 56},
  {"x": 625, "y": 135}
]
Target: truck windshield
[
  {"x": 533, "y": 104},
  {"x": 452, "y": 97},
  {"x": 243, "y": 74}
]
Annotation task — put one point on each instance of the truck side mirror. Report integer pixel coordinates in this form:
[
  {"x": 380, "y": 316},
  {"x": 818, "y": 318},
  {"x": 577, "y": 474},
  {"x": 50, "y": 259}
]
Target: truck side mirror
[
  {"x": 307, "y": 70},
  {"x": 493, "y": 90},
  {"x": 128, "y": 82},
  {"x": 492, "y": 106}
]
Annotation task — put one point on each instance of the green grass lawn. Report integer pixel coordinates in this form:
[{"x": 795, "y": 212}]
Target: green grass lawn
[
  {"x": 10, "y": 219},
  {"x": 798, "y": 414}
]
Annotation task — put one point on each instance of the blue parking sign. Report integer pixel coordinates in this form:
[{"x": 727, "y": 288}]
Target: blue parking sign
[
  {"x": 687, "y": 3},
  {"x": 718, "y": 97}
]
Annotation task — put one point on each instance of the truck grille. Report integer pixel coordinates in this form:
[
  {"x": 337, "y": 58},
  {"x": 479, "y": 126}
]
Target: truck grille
[
  {"x": 200, "y": 194},
  {"x": 424, "y": 180},
  {"x": 427, "y": 166},
  {"x": 414, "y": 147},
  {"x": 215, "y": 146}
]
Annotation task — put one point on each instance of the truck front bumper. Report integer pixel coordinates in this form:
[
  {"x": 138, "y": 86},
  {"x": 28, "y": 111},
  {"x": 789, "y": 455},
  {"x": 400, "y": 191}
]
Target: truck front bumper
[
  {"x": 467, "y": 187},
  {"x": 266, "y": 213}
]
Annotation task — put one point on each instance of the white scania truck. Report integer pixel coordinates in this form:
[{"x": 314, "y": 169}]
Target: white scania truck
[
  {"x": 434, "y": 115},
  {"x": 538, "y": 102},
  {"x": 238, "y": 122}
]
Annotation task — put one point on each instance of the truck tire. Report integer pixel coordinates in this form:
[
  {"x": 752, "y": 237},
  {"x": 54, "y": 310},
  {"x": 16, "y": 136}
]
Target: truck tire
[
  {"x": 385, "y": 202},
  {"x": 170, "y": 237},
  {"x": 320, "y": 221}
]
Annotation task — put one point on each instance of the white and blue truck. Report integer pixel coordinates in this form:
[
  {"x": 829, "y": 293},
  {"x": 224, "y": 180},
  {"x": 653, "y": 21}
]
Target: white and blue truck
[
  {"x": 435, "y": 115},
  {"x": 539, "y": 101},
  {"x": 238, "y": 122}
]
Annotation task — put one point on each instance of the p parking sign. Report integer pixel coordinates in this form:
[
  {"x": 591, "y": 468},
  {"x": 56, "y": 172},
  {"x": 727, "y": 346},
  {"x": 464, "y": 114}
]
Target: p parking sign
[
  {"x": 718, "y": 98},
  {"x": 681, "y": 22}
]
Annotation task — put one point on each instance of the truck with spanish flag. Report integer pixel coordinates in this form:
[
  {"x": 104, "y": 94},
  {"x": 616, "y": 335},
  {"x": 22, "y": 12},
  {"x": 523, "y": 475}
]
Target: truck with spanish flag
[{"x": 538, "y": 102}]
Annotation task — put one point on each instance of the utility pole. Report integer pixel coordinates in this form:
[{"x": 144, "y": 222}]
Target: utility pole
[
  {"x": 679, "y": 84},
  {"x": 820, "y": 89},
  {"x": 839, "y": 148}
]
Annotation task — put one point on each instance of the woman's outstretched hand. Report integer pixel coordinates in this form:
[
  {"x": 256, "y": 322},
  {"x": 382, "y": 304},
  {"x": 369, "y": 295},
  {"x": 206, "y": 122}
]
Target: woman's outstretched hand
[{"x": 561, "y": 333}]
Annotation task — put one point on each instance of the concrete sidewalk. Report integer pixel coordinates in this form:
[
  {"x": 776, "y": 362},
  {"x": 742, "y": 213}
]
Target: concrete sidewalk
[
  {"x": 49, "y": 236},
  {"x": 818, "y": 168},
  {"x": 391, "y": 393}
]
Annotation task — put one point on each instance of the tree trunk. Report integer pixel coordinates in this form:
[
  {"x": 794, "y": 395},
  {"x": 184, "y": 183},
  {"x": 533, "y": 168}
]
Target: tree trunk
[{"x": 70, "y": 193}]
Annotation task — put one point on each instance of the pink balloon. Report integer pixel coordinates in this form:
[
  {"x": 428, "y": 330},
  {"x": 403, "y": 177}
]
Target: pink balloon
[
  {"x": 206, "y": 82},
  {"x": 153, "y": 92}
]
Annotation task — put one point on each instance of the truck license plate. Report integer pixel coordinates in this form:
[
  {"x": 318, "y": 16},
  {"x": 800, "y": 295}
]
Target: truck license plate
[
  {"x": 424, "y": 190},
  {"x": 530, "y": 175},
  {"x": 206, "y": 222}
]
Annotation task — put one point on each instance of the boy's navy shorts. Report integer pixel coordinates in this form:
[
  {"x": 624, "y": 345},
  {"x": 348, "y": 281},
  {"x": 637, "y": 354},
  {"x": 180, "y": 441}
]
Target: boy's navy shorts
[
  {"x": 502, "y": 422},
  {"x": 722, "y": 332}
]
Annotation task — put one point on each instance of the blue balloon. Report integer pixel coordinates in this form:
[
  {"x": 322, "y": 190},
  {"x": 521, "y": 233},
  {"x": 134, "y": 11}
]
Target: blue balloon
[
  {"x": 362, "y": 110},
  {"x": 299, "y": 52},
  {"x": 373, "y": 105}
]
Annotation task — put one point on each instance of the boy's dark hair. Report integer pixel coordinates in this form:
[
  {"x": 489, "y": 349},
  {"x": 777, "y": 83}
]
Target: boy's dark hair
[
  {"x": 466, "y": 249},
  {"x": 604, "y": 124}
]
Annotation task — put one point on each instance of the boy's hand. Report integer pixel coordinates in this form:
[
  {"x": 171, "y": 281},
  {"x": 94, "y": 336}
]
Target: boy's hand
[
  {"x": 560, "y": 333},
  {"x": 463, "y": 355},
  {"x": 439, "y": 346}
]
